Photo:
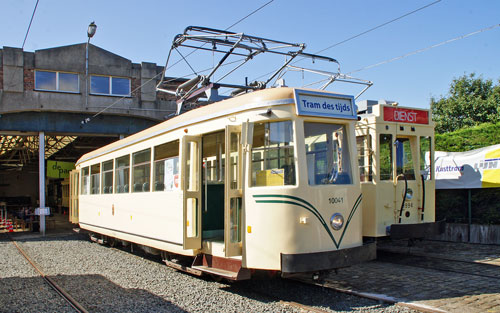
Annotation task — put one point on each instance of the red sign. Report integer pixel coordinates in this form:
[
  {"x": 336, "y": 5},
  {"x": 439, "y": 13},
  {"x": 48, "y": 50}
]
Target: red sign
[{"x": 402, "y": 115}]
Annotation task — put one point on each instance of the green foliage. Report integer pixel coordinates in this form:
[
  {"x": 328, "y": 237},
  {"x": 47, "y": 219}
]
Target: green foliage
[
  {"x": 471, "y": 101},
  {"x": 471, "y": 138}
]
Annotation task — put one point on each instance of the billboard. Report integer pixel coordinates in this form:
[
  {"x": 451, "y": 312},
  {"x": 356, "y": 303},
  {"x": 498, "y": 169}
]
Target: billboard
[
  {"x": 478, "y": 168},
  {"x": 58, "y": 169}
]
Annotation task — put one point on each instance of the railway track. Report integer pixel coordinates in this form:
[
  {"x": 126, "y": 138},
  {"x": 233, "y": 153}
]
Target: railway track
[
  {"x": 60, "y": 291},
  {"x": 440, "y": 264}
]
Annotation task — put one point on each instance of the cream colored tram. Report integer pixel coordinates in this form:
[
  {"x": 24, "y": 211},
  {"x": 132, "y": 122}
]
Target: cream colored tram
[
  {"x": 263, "y": 181},
  {"x": 396, "y": 161}
]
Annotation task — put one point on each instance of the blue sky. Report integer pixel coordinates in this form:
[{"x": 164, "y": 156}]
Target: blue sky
[{"x": 143, "y": 31}]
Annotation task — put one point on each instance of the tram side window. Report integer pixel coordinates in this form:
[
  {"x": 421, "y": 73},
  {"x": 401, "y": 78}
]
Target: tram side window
[
  {"x": 166, "y": 166},
  {"x": 365, "y": 161},
  {"x": 273, "y": 161},
  {"x": 122, "y": 171},
  {"x": 425, "y": 157},
  {"x": 107, "y": 177},
  {"x": 85, "y": 181},
  {"x": 385, "y": 155},
  {"x": 327, "y": 154},
  {"x": 141, "y": 170},
  {"x": 404, "y": 158},
  {"x": 95, "y": 178}
]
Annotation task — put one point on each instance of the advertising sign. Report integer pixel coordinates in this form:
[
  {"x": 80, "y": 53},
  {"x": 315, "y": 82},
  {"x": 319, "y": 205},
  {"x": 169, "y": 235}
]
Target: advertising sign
[
  {"x": 325, "y": 104},
  {"x": 58, "y": 169},
  {"x": 403, "y": 115},
  {"x": 478, "y": 168}
]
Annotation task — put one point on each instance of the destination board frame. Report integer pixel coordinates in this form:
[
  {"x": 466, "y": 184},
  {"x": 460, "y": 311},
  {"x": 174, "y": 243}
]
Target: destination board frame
[{"x": 323, "y": 104}]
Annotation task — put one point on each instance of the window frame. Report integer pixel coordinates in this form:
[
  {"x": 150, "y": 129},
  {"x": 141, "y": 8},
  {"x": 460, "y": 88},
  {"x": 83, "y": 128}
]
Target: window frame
[
  {"x": 116, "y": 169},
  {"x": 103, "y": 174},
  {"x": 110, "y": 86},
  {"x": 145, "y": 164},
  {"x": 57, "y": 82}
]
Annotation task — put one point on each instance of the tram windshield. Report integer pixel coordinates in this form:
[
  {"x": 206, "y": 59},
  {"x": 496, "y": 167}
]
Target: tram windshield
[
  {"x": 327, "y": 150},
  {"x": 273, "y": 162}
]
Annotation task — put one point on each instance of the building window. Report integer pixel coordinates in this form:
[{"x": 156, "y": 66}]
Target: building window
[
  {"x": 141, "y": 170},
  {"x": 107, "y": 177},
  {"x": 56, "y": 81},
  {"x": 122, "y": 170},
  {"x": 109, "y": 85}
]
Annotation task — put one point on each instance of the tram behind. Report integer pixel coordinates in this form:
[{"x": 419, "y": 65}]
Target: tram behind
[
  {"x": 264, "y": 181},
  {"x": 396, "y": 161}
]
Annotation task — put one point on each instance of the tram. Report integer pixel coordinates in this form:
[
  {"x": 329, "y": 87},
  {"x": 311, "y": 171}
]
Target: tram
[
  {"x": 396, "y": 162},
  {"x": 266, "y": 179}
]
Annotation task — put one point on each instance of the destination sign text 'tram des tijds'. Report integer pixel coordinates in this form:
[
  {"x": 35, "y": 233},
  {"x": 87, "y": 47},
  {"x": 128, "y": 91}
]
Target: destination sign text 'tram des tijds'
[{"x": 324, "y": 104}]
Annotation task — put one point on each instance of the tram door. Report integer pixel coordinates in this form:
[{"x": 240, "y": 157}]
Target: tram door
[
  {"x": 233, "y": 209},
  {"x": 398, "y": 176},
  {"x": 73, "y": 196},
  {"x": 191, "y": 185}
]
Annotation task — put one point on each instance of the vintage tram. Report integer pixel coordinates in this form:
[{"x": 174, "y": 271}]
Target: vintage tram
[
  {"x": 264, "y": 179},
  {"x": 396, "y": 162}
]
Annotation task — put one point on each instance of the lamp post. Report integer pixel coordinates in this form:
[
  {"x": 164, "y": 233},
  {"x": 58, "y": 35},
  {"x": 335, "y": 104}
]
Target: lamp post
[{"x": 90, "y": 33}]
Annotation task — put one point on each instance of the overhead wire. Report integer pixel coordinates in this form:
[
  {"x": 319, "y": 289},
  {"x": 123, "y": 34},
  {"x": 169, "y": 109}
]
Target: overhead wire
[
  {"x": 87, "y": 120},
  {"x": 31, "y": 21},
  {"x": 364, "y": 32},
  {"x": 425, "y": 49}
]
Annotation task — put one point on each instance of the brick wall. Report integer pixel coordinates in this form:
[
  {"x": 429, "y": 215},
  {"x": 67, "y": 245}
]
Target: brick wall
[
  {"x": 1, "y": 77},
  {"x": 29, "y": 79}
]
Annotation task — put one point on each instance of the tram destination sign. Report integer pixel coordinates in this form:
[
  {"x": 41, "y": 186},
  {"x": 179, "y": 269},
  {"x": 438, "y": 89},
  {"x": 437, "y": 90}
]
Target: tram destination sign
[
  {"x": 312, "y": 103},
  {"x": 403, "y": 115}
]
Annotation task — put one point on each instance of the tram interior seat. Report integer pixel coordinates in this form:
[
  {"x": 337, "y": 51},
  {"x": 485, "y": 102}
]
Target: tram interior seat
[
  {"x": 145, "y": 186},
  {"x": 159, "y": 186},
  {"x": 125, "y": 188},
  {"x": 137, "y": 187}
]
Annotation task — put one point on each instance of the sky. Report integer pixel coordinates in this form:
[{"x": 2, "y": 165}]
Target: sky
[{"x": 142, "y": 31}]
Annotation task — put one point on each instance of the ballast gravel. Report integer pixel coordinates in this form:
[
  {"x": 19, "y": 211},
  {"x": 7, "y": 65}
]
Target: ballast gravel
[{"x": 105, "y": 279}]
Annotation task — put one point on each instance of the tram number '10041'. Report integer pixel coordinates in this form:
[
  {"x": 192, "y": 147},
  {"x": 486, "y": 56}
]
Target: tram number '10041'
[{"x": 336, "y": 200}]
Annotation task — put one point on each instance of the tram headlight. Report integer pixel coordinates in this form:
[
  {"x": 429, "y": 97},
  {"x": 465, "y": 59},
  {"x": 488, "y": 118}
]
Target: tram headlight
[
  {"x": 409, "y": 194},
  {"x": 337, "y": 221}
]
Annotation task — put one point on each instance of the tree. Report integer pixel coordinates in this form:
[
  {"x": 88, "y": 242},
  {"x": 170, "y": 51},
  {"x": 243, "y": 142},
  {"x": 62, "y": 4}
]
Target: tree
[{"x": 470, "y": 101}]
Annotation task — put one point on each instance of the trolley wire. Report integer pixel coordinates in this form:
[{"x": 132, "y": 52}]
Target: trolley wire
[
  {"x": 87, "y": 120},
  {"x": 363, "y": 33},
  {"x": 425, "y": 49},
  {"x": 31, "y": 21}
]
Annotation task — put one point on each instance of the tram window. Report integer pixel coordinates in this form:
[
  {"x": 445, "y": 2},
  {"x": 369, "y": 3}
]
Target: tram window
[
  {"x": 365, "y": 161},
  {"x": 95, "y": 178},
  {"x": 107, "y": 177},
  {"x": 327, "y": 154},
  {"x": 122, "y": 172},
  {"x": 273, "y": 161},
  {"x": 404, "y": 158},
  {"x": 85, "y": 181},
  {"x": 425, "y": 157},
  {"x": 141, "y": 162},
  {"x": 385, "y": 155},
  {"x": 166, "y": 166}
]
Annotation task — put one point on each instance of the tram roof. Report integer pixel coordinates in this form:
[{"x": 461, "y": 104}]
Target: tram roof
[{"x": 256, "y": 99}]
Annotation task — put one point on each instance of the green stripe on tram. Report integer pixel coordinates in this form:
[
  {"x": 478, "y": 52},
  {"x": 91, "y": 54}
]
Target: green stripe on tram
[{"x": 286, "y": 199}]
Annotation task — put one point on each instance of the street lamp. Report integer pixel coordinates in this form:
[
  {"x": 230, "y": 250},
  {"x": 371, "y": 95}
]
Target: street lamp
[{"x": 90, "y": 33}]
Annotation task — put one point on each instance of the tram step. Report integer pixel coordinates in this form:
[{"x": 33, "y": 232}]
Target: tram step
[{"x": 224, "y": 267}]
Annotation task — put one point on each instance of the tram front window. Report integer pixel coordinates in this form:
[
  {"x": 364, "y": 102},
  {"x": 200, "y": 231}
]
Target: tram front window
[
  {"x": 327, "y": 150},
  {"x": 404, "y": 159},
  {"x": 273, "y": 161}
]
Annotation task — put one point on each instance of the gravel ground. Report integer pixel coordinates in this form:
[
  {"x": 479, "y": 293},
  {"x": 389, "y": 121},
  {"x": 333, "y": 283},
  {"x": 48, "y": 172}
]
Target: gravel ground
[{"x": 103, "y": 279}]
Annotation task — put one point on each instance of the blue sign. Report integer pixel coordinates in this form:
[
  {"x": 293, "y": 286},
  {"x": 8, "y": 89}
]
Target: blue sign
[{"x": 325, "y": 104}]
